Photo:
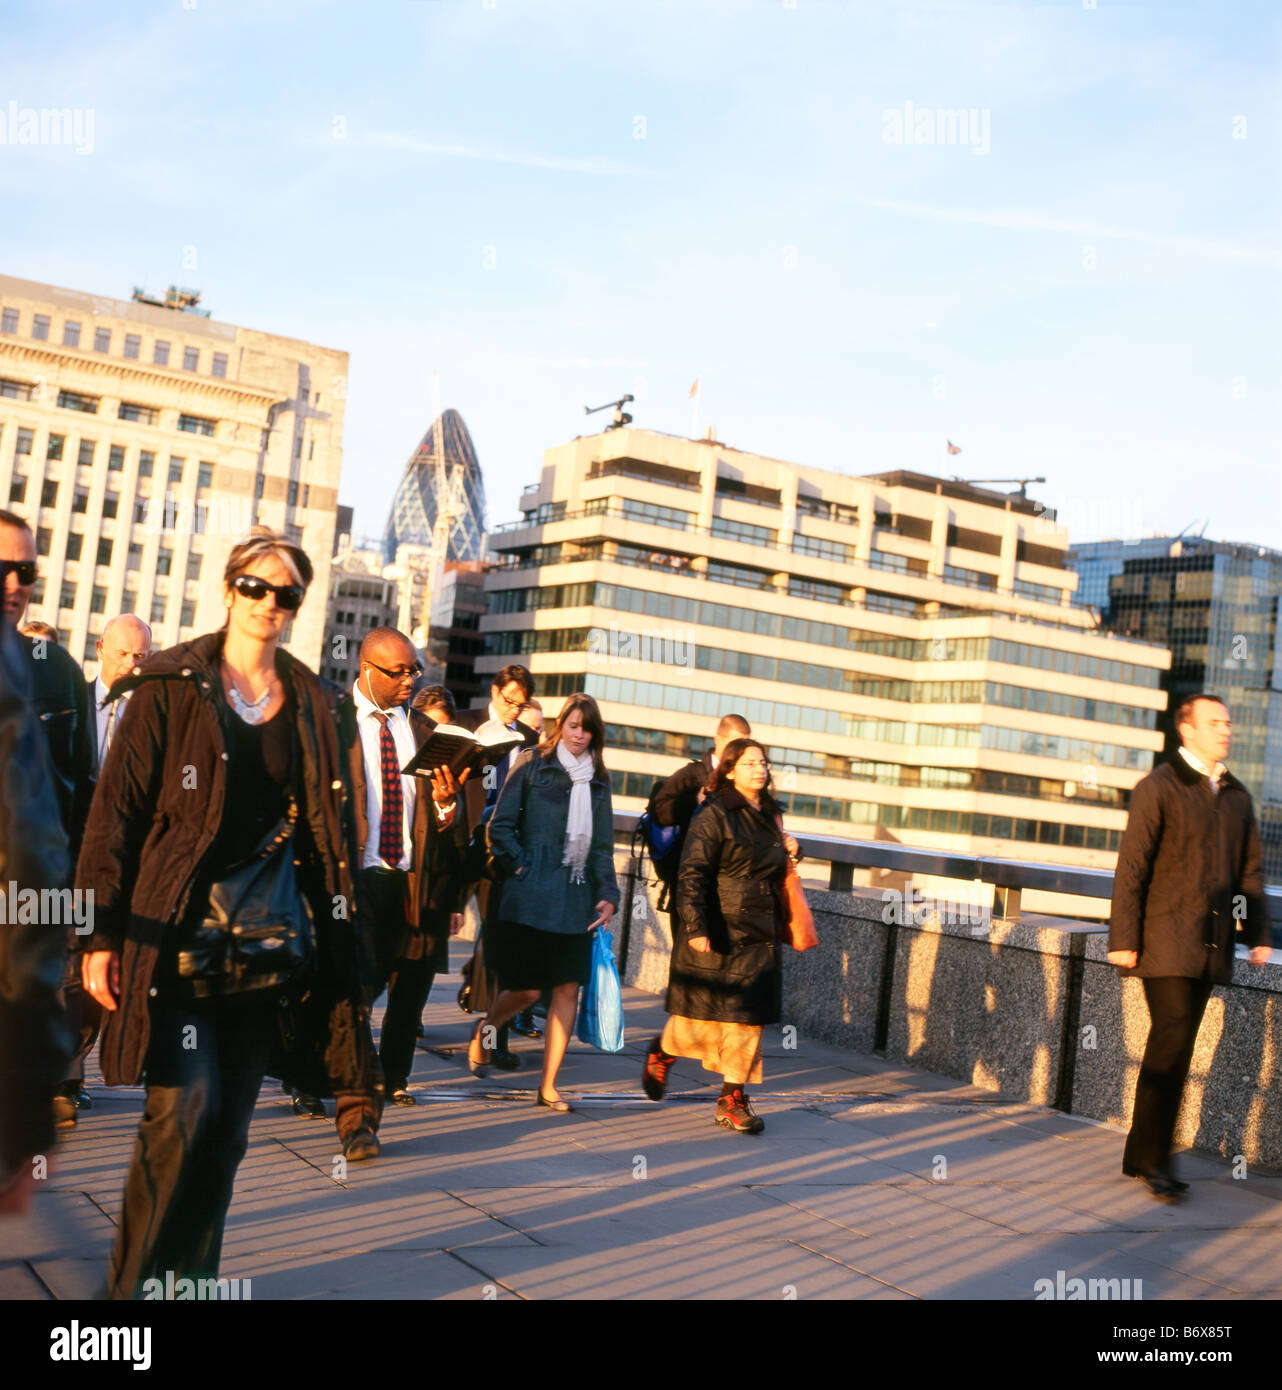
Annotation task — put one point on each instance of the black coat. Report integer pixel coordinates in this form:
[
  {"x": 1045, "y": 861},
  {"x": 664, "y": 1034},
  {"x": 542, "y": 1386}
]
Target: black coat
[
  {"x": 155, "y": 816},
  {"x": 729, "y": 889},
  {"x": 1188, "y": 872},
  {"x": 35, "y": 1041},
  {"x": 434, "y": 851},
  {"x": 63, "y": 705},
  {"x": 677, "y": 799}
]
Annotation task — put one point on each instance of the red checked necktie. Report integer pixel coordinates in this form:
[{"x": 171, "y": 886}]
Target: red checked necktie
[{"x": 389, "y": 828}]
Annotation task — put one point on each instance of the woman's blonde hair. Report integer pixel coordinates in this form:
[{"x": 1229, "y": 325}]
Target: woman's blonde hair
[{"x": 263, "y": 541}]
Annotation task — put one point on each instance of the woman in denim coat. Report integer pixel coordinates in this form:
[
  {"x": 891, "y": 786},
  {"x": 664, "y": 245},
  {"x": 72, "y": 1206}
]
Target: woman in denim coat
[{"x": 552, "y": 841}]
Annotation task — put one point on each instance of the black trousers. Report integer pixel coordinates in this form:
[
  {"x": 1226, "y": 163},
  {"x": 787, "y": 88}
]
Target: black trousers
[
  {"x": 203, "y": 1071},
  {"x": 407, "y": 979},
  {"x": 85, "y": 1015},
  {"x": 1175, "y": 1007}
]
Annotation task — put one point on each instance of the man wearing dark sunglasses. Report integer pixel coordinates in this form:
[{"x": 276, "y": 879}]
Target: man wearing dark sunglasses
[
  {"x": 60, "y": 699},
  {"x": 397, "y": 818},
  {"x": 59, "y": 694}
]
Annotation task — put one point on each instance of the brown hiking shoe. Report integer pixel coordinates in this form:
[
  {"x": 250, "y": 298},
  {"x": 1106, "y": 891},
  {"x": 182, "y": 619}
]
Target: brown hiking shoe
[{"x": 734, "y": 1112}]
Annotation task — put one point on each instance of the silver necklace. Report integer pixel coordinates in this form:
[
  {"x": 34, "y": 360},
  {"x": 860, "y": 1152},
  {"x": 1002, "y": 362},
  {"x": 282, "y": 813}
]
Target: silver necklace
[{"x": 251, "y": 711}]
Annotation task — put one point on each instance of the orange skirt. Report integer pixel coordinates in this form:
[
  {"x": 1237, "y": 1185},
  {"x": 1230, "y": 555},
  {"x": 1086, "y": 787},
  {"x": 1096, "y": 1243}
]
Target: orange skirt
[{"x": 732, "y": 1050}]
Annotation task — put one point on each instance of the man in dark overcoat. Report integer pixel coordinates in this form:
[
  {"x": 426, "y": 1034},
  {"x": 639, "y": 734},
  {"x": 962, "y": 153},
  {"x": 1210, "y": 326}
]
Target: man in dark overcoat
[{"x": 1186, "y": 891}]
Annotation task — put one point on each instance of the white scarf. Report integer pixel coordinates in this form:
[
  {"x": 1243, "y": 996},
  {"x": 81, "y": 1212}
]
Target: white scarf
[{"x": 578, "y": 825}]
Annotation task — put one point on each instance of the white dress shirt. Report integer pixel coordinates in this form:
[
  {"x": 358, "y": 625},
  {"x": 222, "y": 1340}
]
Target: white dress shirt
[
  {"x": 368, "y": 727},
  {"x": 1196, "y": 763},
  {"x": 106, "y": 714}
]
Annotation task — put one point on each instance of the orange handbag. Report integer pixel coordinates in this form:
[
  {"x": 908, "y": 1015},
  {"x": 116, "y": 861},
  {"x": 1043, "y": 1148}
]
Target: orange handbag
[{"x": 801, "y": 922}]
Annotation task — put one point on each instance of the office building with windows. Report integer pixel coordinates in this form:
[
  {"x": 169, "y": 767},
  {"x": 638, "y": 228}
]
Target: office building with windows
[
  {"x": 1215, "y": 605},
  {"x": 360, "y": 599},
  {"x": 442, "y": 471},
  {"x": 906, "y": 647},
  {"x": 141, "y": 442}
]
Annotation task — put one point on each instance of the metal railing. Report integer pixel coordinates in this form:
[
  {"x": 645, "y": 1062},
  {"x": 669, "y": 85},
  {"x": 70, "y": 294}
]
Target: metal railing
[{"x": 1008, "y": 878}]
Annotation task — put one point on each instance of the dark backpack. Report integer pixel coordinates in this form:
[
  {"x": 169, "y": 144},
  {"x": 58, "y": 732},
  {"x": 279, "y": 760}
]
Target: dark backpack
[{"x": 662, "y": 843}]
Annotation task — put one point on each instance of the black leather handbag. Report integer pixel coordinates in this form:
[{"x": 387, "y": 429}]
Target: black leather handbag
[{"x": 259, "y": 932}]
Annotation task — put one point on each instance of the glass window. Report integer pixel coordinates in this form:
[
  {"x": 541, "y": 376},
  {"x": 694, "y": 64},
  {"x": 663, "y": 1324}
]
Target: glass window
[
  {"x": 70, "y": 334},
  {"x": 194, "y": 424},
  {"x": 220, "y": 364},
  {"x": 193, "y": 565},
  {"x": 18, "y": 488},
  {"x": 188, "y": 615},
  {"x": 85, "y": 456},
  {"x": 146, "y": 461},
  {"x": 74, "y": 542},
  {"x": 133, "y": 346},
  {"x": 205, "y": 475},
  {"x": 191, "y": 359},
  {"x": 158, "y": 605},
  {"x": 43, "y": 538},
  {"x": 73, "y": 400},
  {"x": 160, "y": 354},
  {"x": 67, "y": 595},
  {"x": 176, "y": 469},
  {"x": 49, "y": 493},
  {"x": 110, "y": 506},
  {"x": 104, "y": 551},
  {"x": 9, "y": 321},
  {"x": 40, "y": 328},
  {"x": 98, "y": 602},
  {"x": 129, "y": 410},
  {"x": 25, "y": 440},
  {"x": 54, "y": 448},
  {"x": 102, "y": 340},
  {"x": 164, "y": 561},
  {"x": 116, "y": 458},
  {"x": 80, "y": 501}
]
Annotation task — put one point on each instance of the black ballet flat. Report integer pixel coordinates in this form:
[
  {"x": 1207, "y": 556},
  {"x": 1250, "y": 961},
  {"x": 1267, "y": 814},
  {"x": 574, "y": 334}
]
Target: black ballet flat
[{"x": 562, "y": 1107}]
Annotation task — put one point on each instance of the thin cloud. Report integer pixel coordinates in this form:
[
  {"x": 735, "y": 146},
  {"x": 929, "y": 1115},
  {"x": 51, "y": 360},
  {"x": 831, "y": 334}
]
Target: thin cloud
[
  {"x": 394, "y": 140},
  {"x": 1093, "y": 231}
]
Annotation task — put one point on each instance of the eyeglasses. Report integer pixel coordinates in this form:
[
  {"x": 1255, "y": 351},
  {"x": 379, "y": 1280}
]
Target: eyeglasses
[
  {"x": 517, "y": 705},
  {"x": 398, "y": 673},
  {"x": 24, "y": 569},
  {"x": 288, "y": 596}
]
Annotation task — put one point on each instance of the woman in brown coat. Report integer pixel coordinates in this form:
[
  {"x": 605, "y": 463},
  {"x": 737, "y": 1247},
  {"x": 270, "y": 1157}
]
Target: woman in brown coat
[{"x": 221, "y": 738}]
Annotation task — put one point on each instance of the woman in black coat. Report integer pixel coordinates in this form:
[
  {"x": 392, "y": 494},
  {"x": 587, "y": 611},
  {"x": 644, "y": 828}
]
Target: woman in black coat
[
  {"x": 222, "y": 737},
  {"x": 725, "y": 979}
]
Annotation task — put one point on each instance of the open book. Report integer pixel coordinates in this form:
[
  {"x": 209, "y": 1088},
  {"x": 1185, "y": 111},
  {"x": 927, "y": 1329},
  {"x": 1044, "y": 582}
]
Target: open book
[{"x": 449, "y": 745}]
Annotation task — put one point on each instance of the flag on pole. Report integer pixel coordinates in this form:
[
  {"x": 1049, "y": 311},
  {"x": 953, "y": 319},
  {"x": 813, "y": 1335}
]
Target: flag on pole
[
  {"x": 954, "y": 448},
  {"x": 694, "y": 390}
]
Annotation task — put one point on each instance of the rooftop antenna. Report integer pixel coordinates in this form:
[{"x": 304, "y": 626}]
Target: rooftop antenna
[{"x": 621, "y": 417}]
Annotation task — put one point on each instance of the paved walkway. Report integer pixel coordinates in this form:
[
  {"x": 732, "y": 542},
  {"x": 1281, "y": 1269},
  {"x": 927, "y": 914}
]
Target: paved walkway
[{"x": 870, "y": 1181}]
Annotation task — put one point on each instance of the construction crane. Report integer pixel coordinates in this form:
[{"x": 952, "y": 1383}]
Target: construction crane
[
  {"x": 621, "y": 417},
  {"x": 981, "y": 482}
]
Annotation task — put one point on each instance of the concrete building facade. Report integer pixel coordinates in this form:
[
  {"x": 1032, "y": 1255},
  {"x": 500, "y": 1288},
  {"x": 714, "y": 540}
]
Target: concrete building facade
[
  {"x": 905, "y": 646},
  {"x": 141, "y": 442},
  {"x": 1217, "y": 606}
]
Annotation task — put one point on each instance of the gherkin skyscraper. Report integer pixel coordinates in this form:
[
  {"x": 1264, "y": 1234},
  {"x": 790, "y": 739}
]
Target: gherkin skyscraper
[{"x": 454, "y": 475}]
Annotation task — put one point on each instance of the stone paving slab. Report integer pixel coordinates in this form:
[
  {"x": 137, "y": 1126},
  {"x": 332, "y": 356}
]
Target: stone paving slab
[
  {"x": 747, "y": 1270},
  {"x": 944, "y": 1264},
  {"x": 478, "y": 1194}
]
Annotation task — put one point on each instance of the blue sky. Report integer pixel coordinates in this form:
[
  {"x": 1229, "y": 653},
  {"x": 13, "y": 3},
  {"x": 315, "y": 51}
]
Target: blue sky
[{"x": 1093, "y": 292}]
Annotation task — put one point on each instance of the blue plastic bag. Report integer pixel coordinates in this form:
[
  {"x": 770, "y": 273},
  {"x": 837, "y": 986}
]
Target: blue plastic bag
[{"x": 601, "y": 1013}]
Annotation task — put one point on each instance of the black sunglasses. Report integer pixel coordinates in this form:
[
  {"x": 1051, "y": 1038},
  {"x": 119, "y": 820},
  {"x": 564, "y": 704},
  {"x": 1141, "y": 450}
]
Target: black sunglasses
[
  {"x": 288, "y": 596},
  {"x": 24, "y": 569},
  {"x": 397, "y": 673}
]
